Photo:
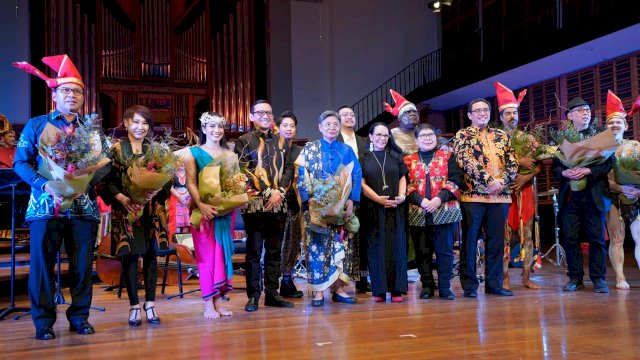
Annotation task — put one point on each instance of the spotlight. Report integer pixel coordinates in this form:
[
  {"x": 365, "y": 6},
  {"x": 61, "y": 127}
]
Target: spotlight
[{"x": 435, "y": 6}]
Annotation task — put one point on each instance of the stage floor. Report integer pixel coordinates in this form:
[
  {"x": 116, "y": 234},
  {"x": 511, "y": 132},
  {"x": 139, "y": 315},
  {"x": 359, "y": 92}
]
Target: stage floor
[{"x": 535, "y": 324}]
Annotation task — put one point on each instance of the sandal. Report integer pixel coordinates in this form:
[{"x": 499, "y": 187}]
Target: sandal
[
  {"x": 135, "y": 318},
  {"x": 152, "y": 317}
]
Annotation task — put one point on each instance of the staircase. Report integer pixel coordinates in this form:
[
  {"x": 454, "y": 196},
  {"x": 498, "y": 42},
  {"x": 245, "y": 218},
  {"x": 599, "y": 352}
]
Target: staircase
[{"x": 419, "y": 73}]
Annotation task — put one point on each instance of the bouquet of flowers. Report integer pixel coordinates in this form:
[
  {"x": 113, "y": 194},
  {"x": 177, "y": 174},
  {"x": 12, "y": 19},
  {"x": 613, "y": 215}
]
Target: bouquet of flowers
[
  {"x": 525, "y": 145},
  {"x": 331, "y": 195},
  {"x": 71, "y": 158},
  {"x": 222, "y": 184},
  {"x": 150, "y": 173},
  {"x": 576, "y": 151},
  {"x": 627, "y": 168}
]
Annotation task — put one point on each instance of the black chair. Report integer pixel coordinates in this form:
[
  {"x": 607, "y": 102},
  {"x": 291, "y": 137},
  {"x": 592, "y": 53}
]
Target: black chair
[{"x": 167, "y": 253}]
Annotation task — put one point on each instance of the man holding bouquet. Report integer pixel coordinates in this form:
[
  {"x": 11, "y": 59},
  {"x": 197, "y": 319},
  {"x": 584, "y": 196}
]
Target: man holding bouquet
[
  {"x": 264, "y": 155},
  {"x": 584, "y": 201},
  {"x": 76, "y": 225},
  {"x": 522, "y": 208}
]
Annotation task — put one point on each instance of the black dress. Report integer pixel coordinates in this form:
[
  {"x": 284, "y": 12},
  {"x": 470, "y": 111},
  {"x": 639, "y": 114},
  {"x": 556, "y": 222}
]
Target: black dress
[{"x": 384, "y": 229}]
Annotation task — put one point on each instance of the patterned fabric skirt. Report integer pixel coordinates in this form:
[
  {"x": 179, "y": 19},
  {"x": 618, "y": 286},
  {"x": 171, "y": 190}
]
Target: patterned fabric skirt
[
  {"x": 629, "y": 212},
  {"x": 291, "y": 242},
  {"x": 329, "y": 255}
]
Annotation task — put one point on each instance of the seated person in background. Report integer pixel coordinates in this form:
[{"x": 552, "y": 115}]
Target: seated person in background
[{"x": 7, "y": 148}]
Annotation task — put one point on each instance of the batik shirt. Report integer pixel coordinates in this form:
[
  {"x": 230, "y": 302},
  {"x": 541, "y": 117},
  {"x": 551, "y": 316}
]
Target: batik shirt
[
  {"x": 269, "y": 168},
  {"x": 484, "y": 155},
  {"x": 27, "y": 162}
]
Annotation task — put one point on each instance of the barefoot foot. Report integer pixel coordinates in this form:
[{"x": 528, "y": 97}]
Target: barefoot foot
[
  {"x": 530, "y": 284},
  {"x": 622, "y": 285},
  {"x": 505, "y": 282},
  {"x": 209, "y": 310},
  {"x": 221, "y": 310}
]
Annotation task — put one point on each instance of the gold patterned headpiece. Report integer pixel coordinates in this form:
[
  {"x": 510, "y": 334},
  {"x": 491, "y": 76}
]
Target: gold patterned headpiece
[{"x": 206, "y": 118}]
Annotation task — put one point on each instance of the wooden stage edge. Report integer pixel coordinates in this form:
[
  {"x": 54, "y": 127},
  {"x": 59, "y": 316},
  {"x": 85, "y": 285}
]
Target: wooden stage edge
[{"x": 535, "y": 324}]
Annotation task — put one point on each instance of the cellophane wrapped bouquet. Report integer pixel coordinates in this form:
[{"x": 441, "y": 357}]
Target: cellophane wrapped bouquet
[
  {"x": 223, "y": 185},
  {"x": 71, "y": 158},
  {"x": 150, "y": 172}
]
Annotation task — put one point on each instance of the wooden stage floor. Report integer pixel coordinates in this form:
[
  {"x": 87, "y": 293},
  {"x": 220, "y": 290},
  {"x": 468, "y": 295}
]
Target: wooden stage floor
[{"x": 533, "y": 324}]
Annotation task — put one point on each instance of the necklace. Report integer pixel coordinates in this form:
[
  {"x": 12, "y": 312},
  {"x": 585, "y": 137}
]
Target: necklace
[{"x": 384, "y": 161}]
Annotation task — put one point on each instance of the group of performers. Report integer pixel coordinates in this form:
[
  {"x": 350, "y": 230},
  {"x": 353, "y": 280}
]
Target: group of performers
[{"x": 397, "y": 186}]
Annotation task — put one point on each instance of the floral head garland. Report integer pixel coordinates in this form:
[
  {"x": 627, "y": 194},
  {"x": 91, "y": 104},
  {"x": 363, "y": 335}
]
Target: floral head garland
[{"x": 207, "y": 119}]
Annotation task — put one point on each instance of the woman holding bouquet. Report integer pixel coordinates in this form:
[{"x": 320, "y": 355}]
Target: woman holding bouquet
[
  {"x": 135, "y": 237},
  {"x": 327, "y": 240},
  {"x": 384, "y": 186},
  {"x": 212, "y": 237}
]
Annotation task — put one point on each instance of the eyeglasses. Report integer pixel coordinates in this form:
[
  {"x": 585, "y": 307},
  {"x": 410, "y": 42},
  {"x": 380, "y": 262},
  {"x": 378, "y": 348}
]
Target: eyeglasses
[
  {"x": 331, "y": 126},
  {"x": 479, "y": 111},
  {"x": 67, "y": 91},
  {"x": 347, "y": 115},
  {"x": 427, "y": 135},
  {"x": 582, "y": 110},
  {"x": 381, "y": 136},
  {"x": 262, "y": 113}
]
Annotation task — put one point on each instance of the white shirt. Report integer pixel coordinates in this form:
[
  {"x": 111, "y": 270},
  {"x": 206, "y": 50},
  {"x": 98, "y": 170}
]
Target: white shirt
[{"x": 351, "y": 141}]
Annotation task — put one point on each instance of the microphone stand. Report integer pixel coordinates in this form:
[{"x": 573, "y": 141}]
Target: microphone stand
[{"x": 12, "y": 306}]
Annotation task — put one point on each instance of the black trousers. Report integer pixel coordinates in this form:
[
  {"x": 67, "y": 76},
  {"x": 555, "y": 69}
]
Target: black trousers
[
  {"x": 263, "y": 230},
  {"x": 581, "y": 217},
  {"x": 491, "y": 217},
  {"x": 426, "y": 240},
  {"x": 149, "y": 275},
  {"x": 46, "y": 239}
]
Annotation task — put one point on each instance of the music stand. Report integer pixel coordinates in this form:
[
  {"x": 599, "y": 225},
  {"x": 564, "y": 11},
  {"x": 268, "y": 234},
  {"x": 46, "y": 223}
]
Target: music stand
[
  {"x": 12, "y": 306},
  {"x": 561, "y": 257}
]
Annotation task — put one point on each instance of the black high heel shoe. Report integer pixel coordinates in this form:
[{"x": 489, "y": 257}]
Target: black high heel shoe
[
  {"x": 135, "y": 318},
  {"x": 152, "y": 317}
]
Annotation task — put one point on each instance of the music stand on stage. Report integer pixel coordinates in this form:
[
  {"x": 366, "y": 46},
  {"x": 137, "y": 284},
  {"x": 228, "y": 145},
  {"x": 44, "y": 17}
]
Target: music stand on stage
[
  {"x": 561, "y": 257},
  {"x": 12, "y": 306}
]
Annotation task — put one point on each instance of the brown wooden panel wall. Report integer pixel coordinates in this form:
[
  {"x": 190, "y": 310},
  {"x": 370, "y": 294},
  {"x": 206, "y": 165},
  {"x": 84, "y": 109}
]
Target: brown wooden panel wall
[{"x": 545, "y": 101}]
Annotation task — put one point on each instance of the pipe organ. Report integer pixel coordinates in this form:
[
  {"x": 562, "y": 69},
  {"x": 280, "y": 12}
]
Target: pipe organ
[{"x": 177, "y": 57}]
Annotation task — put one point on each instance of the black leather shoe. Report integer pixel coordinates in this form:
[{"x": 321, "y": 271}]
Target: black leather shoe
[
  {"x": 470, "y": 294},
  {"x": 82, "y": 328},
  {"x": 45, "y": 334},
  {"x": 574, "y": 285},
  {"x": 600, "y": 286},
  {"x": 317, "y": 303},
  {"x": 447, "y": 295},
  {"x": 343, "y": 299},
  {"x": 500, "y": 292},
  {"x": 252, "y": 305},
  {"x": 426, "y": 293},
  {"x": 277, "y": 301},
  {"x": 288, "y": 289},
  {"x": 363, "y": 286}
]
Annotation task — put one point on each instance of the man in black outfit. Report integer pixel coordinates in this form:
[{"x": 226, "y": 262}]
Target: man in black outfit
[
  {"x": 578, "y": 216},
  {"x": 264, "y": 155},
  {"x": 359, "y": 145}
]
